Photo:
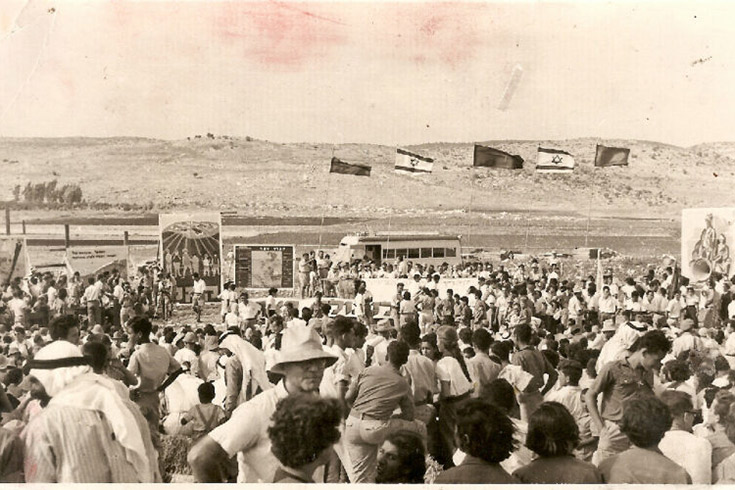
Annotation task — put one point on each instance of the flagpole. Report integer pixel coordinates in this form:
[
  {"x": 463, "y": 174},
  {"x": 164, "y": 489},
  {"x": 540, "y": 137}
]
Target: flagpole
[
  {"x": 469, "y": 211},
  {"x": 589, "y": 215},
  {"x": 326, "y": 203}
]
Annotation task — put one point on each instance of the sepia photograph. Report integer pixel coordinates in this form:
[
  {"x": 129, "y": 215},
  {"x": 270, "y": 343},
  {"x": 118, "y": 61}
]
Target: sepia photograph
[{"x": 415, "y": 242}]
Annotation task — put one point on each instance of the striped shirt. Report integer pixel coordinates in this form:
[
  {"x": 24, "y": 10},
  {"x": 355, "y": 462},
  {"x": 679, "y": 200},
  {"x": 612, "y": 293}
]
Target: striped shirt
[{"x": 73, "y": 445}]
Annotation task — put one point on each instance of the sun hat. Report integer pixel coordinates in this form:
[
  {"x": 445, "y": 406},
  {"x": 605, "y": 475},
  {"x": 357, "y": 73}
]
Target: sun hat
[
  {"x": 97, "y": 330},
  {"x": 190, "y": 338},
  {"x": 299, "y": 344}
]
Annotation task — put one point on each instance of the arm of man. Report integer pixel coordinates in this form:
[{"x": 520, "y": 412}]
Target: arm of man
[
  {"x": 233, "y": 381},
  {"x": 353, "y": 390},
  {"x": 553, "y": 376},
  {"x": 590, "y": 398},
  {"x": 406, "y": 404},
  {"x": 207, "y": 460}
]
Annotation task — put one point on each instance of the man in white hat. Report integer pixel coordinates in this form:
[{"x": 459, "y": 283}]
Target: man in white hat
[
  {"x": 90, "y": 431},
  {"x": 301, "y": 361}
]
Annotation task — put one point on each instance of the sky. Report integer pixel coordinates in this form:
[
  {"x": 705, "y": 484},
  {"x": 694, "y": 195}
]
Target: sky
[{"x": 379, "y": 72}]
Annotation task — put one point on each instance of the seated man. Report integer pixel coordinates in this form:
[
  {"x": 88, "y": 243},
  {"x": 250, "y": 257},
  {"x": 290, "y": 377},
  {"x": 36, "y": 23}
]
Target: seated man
[{"x": 645, "y": 421}]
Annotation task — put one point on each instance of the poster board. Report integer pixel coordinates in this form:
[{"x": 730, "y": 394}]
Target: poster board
[
  {"x": 90, "y": 261},
  {"x": 264, "y": 266},
  {"x": 707, "y": 235},
  {"x": 192, "y": 243}
]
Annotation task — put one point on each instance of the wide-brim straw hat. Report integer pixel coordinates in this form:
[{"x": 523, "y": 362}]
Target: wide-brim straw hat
[{"x": 299, "y": 344}]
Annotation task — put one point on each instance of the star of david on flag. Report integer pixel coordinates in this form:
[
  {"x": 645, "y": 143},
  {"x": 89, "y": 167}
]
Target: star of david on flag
[
  {"x": 554, "y": 161},
  {"x": 412, "y": 163}
]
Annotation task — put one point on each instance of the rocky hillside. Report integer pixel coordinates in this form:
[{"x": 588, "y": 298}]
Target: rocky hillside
[{"x": 274, "y": 179}]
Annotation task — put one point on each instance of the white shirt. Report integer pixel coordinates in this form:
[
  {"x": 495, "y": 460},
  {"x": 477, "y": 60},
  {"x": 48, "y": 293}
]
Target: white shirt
[
  {"x": 448, "y": 369},
  {"x": 247, "y": 433},
  {"x": 692, "y": 453},
  {"x": 607, "y": 305},
  {"x": 200, "y": 286},
  {"x": 187, "y": 355}
]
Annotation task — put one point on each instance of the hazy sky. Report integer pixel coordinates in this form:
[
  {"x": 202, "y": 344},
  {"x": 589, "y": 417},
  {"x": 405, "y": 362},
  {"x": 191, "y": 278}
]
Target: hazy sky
[{"x": 390, "y": 73}]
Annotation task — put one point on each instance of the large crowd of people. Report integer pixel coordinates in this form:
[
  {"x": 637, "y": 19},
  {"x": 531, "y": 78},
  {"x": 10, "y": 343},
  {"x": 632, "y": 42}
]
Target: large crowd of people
[{"x": 532, "y": 375}]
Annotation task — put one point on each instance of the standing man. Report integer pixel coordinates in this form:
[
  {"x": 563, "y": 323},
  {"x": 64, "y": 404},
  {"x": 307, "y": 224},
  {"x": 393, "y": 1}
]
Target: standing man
[
  {"x": 92, "y": 296},
  {"x": 89, "y": 431},
  {"x": 304, "y": 273},
  {"x": 197, "y": 297},
  {"x": 536, "y": 364},
  {"x": 302, "y": 362},
  {"x": 618, "y": 382}
]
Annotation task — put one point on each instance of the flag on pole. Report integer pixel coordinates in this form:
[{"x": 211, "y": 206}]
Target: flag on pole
[
  {"x": 411, "y": 163},
  {"x": 339, "y": 167},
  {"x": 554, "y": 161},
  {"x": 608, "y": 156},
  {"x": 492, "y": 157}
]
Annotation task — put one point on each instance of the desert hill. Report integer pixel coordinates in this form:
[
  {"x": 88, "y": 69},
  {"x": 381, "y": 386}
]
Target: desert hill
[{"x": 267, "y": 178}]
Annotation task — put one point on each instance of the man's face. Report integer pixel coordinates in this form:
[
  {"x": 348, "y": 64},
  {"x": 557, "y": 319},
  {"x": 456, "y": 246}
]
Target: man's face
[
  {"x": 305, "y": 376},
  {"x": 389, "y": 468},
  {"x": 652, "y": 360},
  {"x": 73, "y": 336}
]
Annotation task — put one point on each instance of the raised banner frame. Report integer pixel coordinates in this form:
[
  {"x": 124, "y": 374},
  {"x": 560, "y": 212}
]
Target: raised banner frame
[{"x": 200, "y": 231}]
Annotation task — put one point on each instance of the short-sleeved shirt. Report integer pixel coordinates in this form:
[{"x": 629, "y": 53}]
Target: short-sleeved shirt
[
  {"x": 449, "y": 369},
  {"x": 483, "y": 371},
  {"x": 562, "y": 469},
  {"x": 535, "y": 363},
  {"x": 380, "y": 390},
  {"x": 151, "y": 363},
  {"x": 618, "y": 381},
  {"x": 335, "y": 374},
  {"x": 247, "y": 432},
  {"x": 643, "y": 466},
  {"x": 422, "y": 374}
]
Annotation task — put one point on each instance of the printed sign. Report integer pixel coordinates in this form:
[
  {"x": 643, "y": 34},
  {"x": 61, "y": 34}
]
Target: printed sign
[
  {"x": 264, "y": 266},
  {"x": 13, "y": 260}
]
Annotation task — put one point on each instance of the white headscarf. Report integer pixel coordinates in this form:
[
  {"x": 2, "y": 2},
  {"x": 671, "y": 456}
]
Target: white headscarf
[
  {"x": 79, "y": 387},
  {"x": 619, "y": 344},
  {"x": 252, "y": 360}
]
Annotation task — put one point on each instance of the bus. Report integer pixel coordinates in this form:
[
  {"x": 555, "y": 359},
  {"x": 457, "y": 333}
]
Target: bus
[{"x": 430, "y": 249}]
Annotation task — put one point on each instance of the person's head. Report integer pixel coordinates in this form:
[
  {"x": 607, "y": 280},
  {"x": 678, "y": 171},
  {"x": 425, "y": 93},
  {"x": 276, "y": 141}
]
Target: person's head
[
  {"x": 205, "y": 392},
  {"x": 651, "y": 348},
  {"x": 429, "y": 348},
  {"x": 195, "y": 276},
  {"x": 724, "y": 400},
  {"x": 97, "y": 354},
  {"x": 677, "y": 371},
  {"x": 570, "y": 372},
  {"x": 484, "y": 431},
  {"x": 499, "y": 393},
  {"x": 141, "y": 327},
  {"x": 401, "y": 459},
  {"x": 482, "y": 340},
  {"x": 398, "y": 353},
  {"x": 302, "y": 360},
  {"x": 645, "y": 421},
  {"x": 65, "y": 327},
  {"x": 681, "y": 408},
  {"x": 410, "y": 333},
  {"x": 501, "y": 350},
  {"x": 523, "y": 334},
  {"x": 552, "y": 431},
  {"x": 342, "y": 331},
  {"x": 303, "y": 430},
  {"x": 53, "y": 368},
  {"x": 721, "y": 365},
  {"x": 447, "y": 339}
]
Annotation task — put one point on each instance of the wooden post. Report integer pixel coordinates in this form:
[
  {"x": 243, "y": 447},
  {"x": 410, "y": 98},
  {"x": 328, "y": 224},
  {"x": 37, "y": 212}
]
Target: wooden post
[
  {"x": 7, "y": 221},
  {"x": 125, "y": 238},
  {"x": 66, "y": 236},
  {"x": 24, "y": 226}
]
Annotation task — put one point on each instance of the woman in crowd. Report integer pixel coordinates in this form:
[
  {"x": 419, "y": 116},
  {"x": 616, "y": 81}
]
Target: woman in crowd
[
  {"x": 455, "y": 386},
  {"x": 553, "y": 434},
  {"x": 485, "y": 434}
]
